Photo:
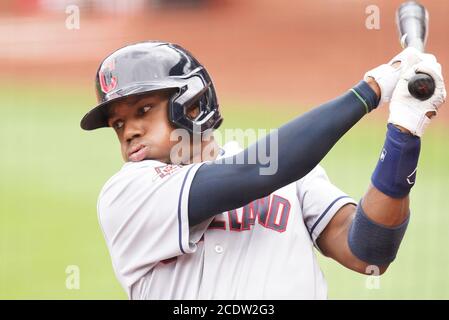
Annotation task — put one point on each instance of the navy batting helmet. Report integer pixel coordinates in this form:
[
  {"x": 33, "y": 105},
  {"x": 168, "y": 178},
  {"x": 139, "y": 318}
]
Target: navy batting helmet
[{"x": 153, "y": 65}]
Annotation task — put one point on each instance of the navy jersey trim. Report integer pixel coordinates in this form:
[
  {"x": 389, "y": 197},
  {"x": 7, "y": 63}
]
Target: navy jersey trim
[
  {"x": 179, "y": 210},
  {"x": 324, "y": 214}
]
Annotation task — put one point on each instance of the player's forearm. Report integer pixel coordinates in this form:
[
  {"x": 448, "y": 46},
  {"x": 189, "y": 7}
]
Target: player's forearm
[
  {"x": 302, "y": 144},
  {"x": 384, "y": 209},
  {"x": 382, "y": 216}
]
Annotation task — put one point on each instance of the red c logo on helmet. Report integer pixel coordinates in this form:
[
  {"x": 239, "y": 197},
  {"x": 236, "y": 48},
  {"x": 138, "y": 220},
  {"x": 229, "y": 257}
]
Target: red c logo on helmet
[{"x": 107, "y": 81}]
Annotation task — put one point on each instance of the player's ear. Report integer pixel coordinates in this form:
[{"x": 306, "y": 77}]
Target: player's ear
[{"x": 193, "y": 111}]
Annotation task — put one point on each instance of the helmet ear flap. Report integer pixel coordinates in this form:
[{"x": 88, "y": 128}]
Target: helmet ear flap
[{"x": 193, "y": 94}]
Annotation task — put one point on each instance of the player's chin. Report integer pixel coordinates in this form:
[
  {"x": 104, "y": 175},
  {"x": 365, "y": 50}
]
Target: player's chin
[{"x": 158, "y": 157}]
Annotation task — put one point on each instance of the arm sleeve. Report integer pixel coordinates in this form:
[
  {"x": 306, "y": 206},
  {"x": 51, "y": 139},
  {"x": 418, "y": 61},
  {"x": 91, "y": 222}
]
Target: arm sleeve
[
  {"x": 319, "y": 200},
  {"x": 143, "y": 214},
  {"x": 301, "y": 145}
]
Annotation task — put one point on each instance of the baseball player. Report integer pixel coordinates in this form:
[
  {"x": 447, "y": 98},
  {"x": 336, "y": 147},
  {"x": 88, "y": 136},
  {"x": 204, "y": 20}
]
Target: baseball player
[{"x": 203, "y": 225}]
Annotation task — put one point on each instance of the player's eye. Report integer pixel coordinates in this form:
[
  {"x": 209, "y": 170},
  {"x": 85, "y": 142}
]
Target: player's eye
[
  {"x": 144, "y": 109},
  {"x": 118, "y": 124}
]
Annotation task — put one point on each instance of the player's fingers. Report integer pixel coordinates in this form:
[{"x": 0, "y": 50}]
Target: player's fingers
[
  {"x": 432, "y": 68},
  {"x": 407, "y": 58},
  {"x": 429, "y": 58}
]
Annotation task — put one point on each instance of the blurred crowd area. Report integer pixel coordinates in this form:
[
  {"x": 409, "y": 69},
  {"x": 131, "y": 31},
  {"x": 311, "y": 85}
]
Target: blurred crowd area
[
  {"x": 109, "y": 6},
  {"x": 296, "y": 51}
]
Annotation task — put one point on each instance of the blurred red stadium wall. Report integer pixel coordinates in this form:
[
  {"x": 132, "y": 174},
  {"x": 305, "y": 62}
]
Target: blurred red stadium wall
[{"x": 286, "y": 51}]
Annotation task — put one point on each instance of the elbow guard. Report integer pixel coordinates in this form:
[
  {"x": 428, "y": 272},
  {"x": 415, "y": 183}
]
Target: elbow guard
[{"x": 374, "y": 243}]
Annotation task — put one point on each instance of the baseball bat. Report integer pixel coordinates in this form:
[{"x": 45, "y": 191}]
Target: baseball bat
[{"x": 412, "y": 20}]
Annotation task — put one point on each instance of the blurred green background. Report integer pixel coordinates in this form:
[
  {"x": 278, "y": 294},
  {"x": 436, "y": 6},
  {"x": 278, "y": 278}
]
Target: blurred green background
[
  {"x": 52, "y": 172},
  {"x": 270, "y": 61}
]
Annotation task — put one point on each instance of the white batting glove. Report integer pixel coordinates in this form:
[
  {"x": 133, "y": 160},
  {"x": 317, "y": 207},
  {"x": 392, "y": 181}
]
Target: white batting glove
[
  {"x": 387, "y": 76},
  {"x": 409, "y": 112}
]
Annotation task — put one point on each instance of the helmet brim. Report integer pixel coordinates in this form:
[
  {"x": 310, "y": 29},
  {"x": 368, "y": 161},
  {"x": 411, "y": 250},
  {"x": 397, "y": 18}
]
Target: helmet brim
[{"x": 97, "y": 117}]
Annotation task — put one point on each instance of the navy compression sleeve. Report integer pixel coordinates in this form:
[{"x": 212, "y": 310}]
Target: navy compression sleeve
[{"x": 302, "y": 144}]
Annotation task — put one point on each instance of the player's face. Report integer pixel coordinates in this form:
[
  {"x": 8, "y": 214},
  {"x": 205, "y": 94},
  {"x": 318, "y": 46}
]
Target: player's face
[{"x": 142, "y": 127}]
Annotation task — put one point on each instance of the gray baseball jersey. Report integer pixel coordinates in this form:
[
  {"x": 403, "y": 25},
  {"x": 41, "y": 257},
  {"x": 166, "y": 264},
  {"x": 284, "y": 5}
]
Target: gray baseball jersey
[{"x": 263, "y": 250}]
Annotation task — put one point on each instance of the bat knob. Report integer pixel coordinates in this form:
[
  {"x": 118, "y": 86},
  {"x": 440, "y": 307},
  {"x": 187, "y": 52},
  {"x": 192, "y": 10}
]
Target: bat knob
[{"x": 421, "y": 86}]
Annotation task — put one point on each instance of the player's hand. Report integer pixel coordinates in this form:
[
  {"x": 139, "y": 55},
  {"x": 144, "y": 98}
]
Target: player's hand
[
  {"x": 409, "y": 112},
  {"x": 387, "y": 75}
]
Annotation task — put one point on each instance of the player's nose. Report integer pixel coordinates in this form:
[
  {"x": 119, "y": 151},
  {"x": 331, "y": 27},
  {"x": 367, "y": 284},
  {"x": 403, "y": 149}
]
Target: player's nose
[{"x": 133, "y": 129}]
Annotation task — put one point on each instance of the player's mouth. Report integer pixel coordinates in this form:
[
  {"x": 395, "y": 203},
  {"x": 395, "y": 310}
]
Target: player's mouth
[{"x": 137, "y": 153}]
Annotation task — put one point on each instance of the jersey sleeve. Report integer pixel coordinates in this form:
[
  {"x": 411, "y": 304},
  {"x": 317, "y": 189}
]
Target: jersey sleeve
[
  {"x": 142, "y": 211},
  {"x": 319, "y": 200}
]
